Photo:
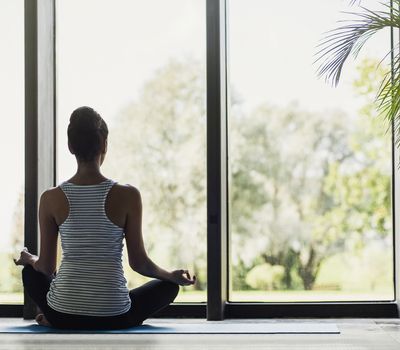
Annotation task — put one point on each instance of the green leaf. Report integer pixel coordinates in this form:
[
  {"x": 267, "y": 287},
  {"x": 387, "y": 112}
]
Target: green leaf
[{"x": 348, "y": 39}]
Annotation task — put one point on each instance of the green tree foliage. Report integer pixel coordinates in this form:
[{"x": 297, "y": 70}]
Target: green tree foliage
[
  {"x": 304, "y": 186},
  {"x": 266, "y": 277},
  {"x": 11, "y": 274},
  {"x": 364, "y": 192},
  {"x": 308, "y": 185},
  {"x": 294, "y": 177},
  {"x": 158, "y": 145},
  {"x": 281, "y": 157}
]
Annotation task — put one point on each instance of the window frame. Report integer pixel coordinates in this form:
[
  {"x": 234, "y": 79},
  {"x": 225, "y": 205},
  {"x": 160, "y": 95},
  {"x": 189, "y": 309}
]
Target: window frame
[{"x": 40, "y": 173}]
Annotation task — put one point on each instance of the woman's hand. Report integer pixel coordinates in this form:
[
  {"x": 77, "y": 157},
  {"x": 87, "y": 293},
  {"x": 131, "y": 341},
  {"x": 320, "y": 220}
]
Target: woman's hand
[
  {"x": 182, "y": 277},
  {"x": 25, "y": 258}
]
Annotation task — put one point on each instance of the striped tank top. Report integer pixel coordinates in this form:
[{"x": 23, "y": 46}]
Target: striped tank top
[{"x": 90, "y": 280}]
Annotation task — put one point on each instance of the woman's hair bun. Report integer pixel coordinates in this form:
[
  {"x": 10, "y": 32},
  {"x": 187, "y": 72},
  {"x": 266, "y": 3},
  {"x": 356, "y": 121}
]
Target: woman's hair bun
[{"x": 86, "y": 132}]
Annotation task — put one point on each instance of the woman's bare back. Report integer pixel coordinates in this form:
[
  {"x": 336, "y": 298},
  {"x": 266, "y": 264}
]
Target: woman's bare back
[{"x": 116, "y": 205}]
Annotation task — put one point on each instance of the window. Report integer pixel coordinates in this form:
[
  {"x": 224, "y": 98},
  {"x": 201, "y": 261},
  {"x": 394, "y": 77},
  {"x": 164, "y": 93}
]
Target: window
[
  {"x": 311, "y": 166},
  {"x": 304, "y": 171},
  {"x": 145, "y": 74},
  {"x": 12, "y": 148}
]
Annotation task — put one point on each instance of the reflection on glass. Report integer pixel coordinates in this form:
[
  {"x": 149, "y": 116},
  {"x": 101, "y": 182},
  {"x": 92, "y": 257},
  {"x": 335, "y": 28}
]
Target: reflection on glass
[
  {"x": 11, "y": 148},
  {"x": 145, "y": 74},
  {"x": 310, "y": 171}
]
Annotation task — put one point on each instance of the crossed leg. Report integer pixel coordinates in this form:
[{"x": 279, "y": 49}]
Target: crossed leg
[
  {"x": 37, "y": 285},
  {"x": 146, "y": 299},
  {"x": 150, "y": 298}
]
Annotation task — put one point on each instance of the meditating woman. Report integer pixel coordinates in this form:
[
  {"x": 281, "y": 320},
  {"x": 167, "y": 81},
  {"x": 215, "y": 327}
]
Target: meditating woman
[{"x": 93, "y": 215}]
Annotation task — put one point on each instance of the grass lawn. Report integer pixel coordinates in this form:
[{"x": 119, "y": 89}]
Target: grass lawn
[
  {"x": 258, "y": 296},
  {"x": 11, "y": 298}
]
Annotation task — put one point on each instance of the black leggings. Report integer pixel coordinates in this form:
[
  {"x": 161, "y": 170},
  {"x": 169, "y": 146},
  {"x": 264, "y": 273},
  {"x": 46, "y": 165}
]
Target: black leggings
[{"x": 146, "y": 300}]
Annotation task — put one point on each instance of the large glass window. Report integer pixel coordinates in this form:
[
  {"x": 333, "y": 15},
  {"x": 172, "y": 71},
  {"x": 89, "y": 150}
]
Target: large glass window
[
  {"x": 141, "y": 65},
  {"x": 11, "y": 148},
  {"x": 311, "y": 166}
]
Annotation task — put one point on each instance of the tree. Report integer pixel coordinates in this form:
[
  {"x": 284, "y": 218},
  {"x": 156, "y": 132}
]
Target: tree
[
  {"x": 307, "y": 186},
  {"x": 280, "y": 158},
  {"x": 304, "y": 186},
  {"x": 364, "y": 193},
  {"x": 158, "y": 145}
]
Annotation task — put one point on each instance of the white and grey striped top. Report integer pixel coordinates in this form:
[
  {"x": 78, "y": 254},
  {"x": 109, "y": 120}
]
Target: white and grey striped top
[{"x": 90, "y": 280}]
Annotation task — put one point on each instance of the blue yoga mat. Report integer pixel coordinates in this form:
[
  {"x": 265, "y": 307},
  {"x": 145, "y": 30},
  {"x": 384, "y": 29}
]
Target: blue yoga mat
[{"x": 194, "y": 328}]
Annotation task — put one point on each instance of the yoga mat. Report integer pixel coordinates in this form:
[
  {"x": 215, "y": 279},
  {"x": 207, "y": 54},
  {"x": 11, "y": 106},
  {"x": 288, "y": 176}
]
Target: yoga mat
[{"x": 194, "y": 328}]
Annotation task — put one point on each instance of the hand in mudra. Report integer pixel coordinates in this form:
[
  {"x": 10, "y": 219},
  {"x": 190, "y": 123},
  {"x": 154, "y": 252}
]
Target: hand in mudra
[
  {"x": 25, "y": 258},
  {"x": 182, "y": 277}
]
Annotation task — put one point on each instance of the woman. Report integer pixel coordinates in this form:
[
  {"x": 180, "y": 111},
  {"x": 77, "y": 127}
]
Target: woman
[{"x": 93, "y": 214}]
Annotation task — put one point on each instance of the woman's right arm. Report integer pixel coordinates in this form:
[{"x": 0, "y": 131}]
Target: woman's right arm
[{"x": 139, "y": 261}]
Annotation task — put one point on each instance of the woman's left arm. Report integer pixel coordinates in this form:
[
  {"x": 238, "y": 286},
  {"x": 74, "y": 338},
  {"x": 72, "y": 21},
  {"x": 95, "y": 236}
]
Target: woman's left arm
[{"x": 47, "y": 260}]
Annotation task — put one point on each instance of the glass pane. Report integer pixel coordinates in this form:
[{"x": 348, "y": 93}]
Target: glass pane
[
  {"x": 145, "y": 74},
  {"x": 310, "y": 171},
  {"x": 12, "y": 148}
]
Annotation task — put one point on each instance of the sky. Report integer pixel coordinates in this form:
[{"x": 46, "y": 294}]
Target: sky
[{"x": 107, "y": 50}]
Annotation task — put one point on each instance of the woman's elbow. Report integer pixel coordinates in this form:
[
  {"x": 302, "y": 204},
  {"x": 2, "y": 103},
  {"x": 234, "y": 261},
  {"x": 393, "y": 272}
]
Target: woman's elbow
[{"x": 140, "y": 265}]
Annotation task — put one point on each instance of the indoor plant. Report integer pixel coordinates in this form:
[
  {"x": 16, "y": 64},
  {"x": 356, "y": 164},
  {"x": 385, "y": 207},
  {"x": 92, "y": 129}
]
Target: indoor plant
[{"x": 347, "y": 40}]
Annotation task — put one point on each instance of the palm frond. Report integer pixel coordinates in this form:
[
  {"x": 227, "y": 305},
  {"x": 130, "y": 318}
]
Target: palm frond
[
  {"x": 348, "y": 39},
  {"x": 388, "y": 97}
]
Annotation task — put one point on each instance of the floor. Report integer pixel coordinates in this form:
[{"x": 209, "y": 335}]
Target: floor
[{"x": 356, "y": 334}]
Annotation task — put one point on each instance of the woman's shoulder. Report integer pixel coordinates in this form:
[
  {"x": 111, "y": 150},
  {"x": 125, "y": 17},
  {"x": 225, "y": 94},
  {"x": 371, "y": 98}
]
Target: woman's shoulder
[
  {"x": 122, "y": 198},
  {"x": 51, "y": 192},
  {"x": 53, "y": 198},
  {"x": 126, "y": 191}
]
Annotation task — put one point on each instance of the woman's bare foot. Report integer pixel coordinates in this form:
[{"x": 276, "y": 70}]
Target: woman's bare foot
[{"x": 42, "y": 320}]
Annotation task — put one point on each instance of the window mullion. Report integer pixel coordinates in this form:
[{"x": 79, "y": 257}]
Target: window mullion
[
  {"x": 217, "y": 223},
  {"x": 39, "y": 118}
]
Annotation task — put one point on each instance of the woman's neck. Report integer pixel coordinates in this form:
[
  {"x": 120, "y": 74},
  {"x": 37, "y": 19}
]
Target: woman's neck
[{"x": 88, "y": 172}]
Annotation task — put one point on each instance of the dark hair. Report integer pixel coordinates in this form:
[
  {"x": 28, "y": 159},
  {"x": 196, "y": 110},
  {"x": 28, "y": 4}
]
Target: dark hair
[{"x": 86, "y": 132}]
